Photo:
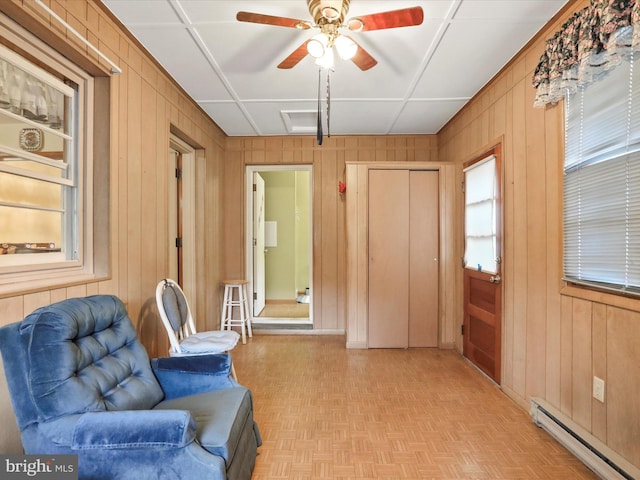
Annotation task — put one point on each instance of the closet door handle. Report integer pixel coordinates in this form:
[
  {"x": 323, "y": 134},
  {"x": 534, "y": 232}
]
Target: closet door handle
[{"x": 495, "y": 279}]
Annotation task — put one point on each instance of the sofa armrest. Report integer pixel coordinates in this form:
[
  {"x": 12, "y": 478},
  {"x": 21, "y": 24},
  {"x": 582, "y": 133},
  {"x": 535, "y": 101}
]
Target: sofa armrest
[
  {"x": 189, "y": 375},
  {"x": 125, "y": 429}
]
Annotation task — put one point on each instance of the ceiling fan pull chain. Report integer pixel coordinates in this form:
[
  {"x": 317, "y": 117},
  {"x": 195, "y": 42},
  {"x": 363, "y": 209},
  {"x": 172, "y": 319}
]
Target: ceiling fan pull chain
[
  {"x": 328, "y": 102},
  {"x": 319, "y": 127}
]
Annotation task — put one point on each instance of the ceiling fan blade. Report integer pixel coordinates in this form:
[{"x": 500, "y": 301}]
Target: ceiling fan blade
[
  {"x": 405, "y": 17},
  {"x": 296, "y": 56},
  {"x": 271, "y": 20},
  {"x": 362, "y": 58}
]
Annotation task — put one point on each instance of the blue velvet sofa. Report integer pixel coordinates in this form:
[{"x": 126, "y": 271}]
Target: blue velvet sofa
[{"x": 82, "y": 383}]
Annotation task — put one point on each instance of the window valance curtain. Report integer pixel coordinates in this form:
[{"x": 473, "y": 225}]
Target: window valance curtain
[
  {"x": 23, "y": 94},
  {"x": 591, "y": 43}
]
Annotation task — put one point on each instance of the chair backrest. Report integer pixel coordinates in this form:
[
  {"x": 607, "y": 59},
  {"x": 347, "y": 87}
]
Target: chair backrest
[
  {"x": 175, "y": 312},
  {"x": 76, "y": 356}
]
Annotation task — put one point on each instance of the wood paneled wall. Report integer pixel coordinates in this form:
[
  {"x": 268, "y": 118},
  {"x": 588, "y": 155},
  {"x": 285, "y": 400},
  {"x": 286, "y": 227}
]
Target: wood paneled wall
[
  {"x": 555, "y": 338},
  {"x": 146, "y": 105},
  {"x": 329, "y": 234}
]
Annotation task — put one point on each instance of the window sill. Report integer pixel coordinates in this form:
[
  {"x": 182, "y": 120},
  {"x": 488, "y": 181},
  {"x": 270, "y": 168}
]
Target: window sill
[{"x": 597, "y": 296}]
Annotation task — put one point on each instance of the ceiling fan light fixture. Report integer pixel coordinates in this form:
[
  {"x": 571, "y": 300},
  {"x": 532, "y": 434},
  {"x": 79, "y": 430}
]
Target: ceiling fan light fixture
[
  {"x": 317, "y": 46},
  {"x": 355, "y": 24},
  {"x": 326, "y": 60},
  {"x": 331, "y": 13},
  {"x": 346, "y": 47}
]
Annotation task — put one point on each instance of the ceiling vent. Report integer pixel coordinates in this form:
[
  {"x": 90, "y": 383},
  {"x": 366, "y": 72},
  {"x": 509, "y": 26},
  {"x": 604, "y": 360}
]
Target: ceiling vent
[{"x": 300, "y": 121}]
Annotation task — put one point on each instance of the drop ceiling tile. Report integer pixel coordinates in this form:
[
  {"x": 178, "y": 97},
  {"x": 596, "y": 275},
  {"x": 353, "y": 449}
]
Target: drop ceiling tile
[
  {"x": 177, "y": 52},
  {"x": 432, "y": 8},
  {"x": 143, "y": 11},
  {"x": 495, "y": 10},
  {"x": 362, "y": 117},
  {"x": 461, "y": 65},
  {"x": 262, "y": 47},
  {"x": 426, "y": 116},
  {"x": 230, "y": 118},
  {"x": 206, "y": 11}
]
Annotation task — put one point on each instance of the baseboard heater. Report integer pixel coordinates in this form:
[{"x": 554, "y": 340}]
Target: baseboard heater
[{"x": 594, "y": 454}]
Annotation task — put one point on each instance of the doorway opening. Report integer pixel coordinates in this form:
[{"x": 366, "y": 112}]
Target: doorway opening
[{"x": 278, "y": 245}]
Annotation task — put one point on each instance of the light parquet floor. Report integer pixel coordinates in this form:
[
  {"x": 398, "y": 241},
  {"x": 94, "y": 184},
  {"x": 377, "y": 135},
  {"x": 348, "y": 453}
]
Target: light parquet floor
[
  {"x": 285, "y": 310},
  {"x": 326, "y": 412}
]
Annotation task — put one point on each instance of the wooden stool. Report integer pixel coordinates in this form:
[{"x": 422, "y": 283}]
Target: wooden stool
[{"x": 242, "y": 302}]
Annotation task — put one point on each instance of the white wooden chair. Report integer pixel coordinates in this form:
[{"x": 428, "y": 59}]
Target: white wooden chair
[{"x": 178, "y": 321}]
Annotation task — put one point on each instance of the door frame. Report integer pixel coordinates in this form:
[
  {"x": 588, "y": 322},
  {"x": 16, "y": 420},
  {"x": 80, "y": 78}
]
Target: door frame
[
  {"x": 469, "y": 274},
  {"x": 188, "y": 217},
  {"x": 258, "y": 284},
  {"x": 248, "y": 237},
  {"x": 357, "y": 255}
]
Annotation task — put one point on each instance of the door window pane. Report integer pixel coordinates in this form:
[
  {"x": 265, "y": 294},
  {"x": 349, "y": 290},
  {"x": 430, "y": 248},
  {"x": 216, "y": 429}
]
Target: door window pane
[{"x": 480, "y": 216}]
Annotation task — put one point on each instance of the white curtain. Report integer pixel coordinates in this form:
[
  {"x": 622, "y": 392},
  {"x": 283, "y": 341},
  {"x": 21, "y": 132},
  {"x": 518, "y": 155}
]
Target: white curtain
[
  {"x": 25, "y": 95},
  {"x": 480, "y": 216}
]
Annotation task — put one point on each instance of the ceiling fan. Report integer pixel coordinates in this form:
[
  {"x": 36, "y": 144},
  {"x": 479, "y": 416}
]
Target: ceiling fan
[{"x": 329, "y": 18}]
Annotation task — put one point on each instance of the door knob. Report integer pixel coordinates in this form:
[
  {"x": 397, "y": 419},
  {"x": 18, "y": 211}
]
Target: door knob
[{"x": 495, "y": 279}]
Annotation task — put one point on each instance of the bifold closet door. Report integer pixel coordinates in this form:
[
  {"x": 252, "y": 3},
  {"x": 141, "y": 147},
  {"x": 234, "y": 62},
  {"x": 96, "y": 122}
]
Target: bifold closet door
[
  {"x": 424, "y": 219},
  {"x": 403, "y": 254},
  {"x": 388, "y": 258}
]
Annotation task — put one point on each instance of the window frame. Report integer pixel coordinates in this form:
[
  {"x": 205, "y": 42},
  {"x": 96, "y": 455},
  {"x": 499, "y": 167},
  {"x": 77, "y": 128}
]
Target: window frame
[
  {"x": 40, "y": 276},
  {"x": 591, "y": 150}
]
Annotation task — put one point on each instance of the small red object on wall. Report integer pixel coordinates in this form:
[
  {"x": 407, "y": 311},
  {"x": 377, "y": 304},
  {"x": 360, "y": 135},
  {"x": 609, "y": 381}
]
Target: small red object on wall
[{"x": 342, "y": 187}]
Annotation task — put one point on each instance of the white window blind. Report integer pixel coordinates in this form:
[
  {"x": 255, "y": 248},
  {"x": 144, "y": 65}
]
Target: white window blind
[
  {"x": 602, "y": 182},
  {"x": 480, "y": 216}
]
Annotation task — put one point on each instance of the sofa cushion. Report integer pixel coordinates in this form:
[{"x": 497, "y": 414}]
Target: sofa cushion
[
  {"x": 220, "y": 417},
  {"x": 83, "y": 355}
]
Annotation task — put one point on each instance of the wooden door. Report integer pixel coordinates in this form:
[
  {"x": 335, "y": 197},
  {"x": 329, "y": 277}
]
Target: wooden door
[
  {"x": 388, "y": 258},
  {"x": 175, "y": 217},
  {"x": 424, "y": 258},
  {"x": 258, "y": 244},
  {"x": 482, "y": 330},
  {"x": 403, "y": 258}
]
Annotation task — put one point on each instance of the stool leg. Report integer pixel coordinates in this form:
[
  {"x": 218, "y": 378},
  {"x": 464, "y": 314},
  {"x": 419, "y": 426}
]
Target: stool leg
[
  {"x": 225, "y": 303},
  {"x": 241, "y": 304},
  {"x": 247, "y": 311}
]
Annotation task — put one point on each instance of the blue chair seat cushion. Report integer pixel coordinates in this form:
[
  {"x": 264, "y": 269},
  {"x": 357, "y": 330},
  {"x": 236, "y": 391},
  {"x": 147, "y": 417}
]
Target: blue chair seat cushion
[
  {"x": 215, "y": 341},
  {"x": 221, "y": 416}
]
